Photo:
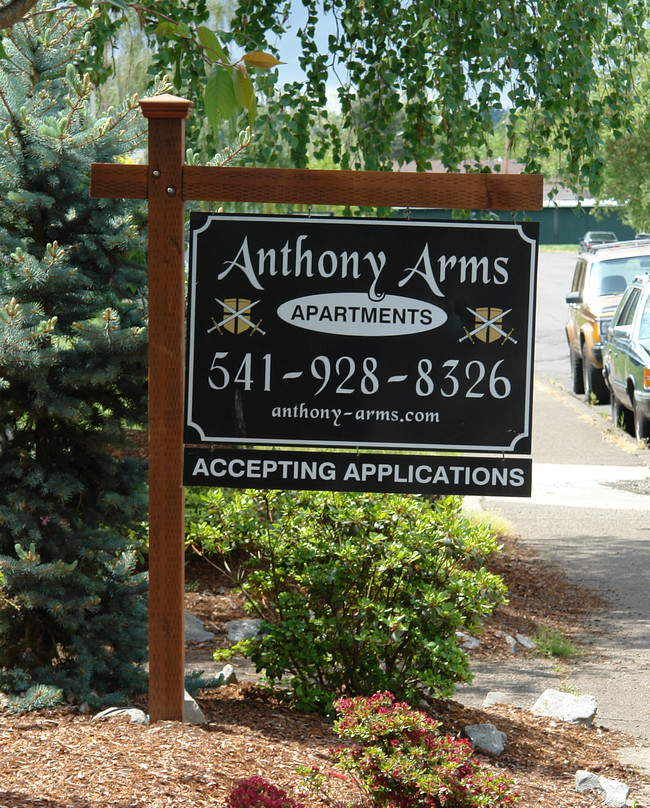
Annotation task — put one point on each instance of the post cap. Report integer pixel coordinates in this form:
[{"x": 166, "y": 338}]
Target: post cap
[{"x": 165, "y": 106}]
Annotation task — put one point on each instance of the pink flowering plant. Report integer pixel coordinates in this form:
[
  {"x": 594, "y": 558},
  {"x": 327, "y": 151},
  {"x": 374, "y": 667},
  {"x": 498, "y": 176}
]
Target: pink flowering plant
[
  {"x": 256, "y": 792},
  {"x": 397, "y": 758}
]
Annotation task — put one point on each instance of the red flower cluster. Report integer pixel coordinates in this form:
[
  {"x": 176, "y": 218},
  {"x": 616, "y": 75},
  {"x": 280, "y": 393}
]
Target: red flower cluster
[
  {"x": 256, "y": 792},
  {"x": 399, "y": 760}
]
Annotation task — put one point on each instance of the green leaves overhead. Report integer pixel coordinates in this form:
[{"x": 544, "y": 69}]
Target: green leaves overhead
[
  {"x": 419, "y": 81},
  {"x": 219, "y": 95},
  {"x": 229, "y": 89},
  {"x": 172, "y": 30},
  {"x": 414, "y": 81},
  {"x": 261, "y": 60},
  {"x": 194, "y": 56},
  {"x": 244, "y": 91},
  {"x": 210, "y": 43}
]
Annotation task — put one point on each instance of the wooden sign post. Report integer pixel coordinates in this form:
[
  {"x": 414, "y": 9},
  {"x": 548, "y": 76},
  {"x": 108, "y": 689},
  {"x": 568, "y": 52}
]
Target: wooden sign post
[{"x": 167, "y": 183}]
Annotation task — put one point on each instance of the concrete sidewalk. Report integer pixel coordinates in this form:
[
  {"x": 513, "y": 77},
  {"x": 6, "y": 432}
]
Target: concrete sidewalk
[{"x": 589, "y": 515}]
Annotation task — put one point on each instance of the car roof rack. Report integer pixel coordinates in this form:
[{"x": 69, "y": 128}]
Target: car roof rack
[{"x": 608, "y": 245}]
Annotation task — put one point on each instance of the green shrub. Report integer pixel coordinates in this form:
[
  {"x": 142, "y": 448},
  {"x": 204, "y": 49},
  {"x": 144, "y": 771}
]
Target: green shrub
[
  {"x": 398, "y": 760},
  {"x": 359, "y": 592}
]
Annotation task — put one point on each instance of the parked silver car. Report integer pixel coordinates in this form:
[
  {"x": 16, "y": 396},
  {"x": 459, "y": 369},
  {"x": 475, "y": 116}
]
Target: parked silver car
[{"x": 626, "y": 359}]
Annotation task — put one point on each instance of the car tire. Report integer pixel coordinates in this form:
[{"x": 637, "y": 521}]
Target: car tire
[
  {"x": 621, "y": 417},
  {"x": 593, "y": 381},
  {"x": 641, "y": 423},
  {"x": 577, "y": 382}
]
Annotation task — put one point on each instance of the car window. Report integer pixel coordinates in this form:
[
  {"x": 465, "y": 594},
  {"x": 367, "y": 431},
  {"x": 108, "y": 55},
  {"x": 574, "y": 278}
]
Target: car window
[
  {"x": 578, "y": 277},
  {"x": 611, "y": 277},
  {"x": 620, "y": 312},
  {"x": 627, "y": 313},
  {"x": 644, "y": 328}
]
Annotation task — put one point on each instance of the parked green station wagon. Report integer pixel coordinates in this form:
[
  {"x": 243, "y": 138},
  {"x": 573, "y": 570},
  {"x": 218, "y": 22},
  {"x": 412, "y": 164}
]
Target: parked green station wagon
[{"x": 626, "y": 354}]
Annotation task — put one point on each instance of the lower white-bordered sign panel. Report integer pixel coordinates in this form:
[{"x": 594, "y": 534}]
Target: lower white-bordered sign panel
[{"x": 349, "y": 471}]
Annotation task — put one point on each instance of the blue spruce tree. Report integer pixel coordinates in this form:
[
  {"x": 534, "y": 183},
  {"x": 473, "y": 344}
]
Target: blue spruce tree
[{"x": 72, "y": 375}]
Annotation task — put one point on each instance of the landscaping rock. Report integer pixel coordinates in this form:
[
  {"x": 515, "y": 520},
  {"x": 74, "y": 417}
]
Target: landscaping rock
[
  {"x": 586, "y": 781},
  {"x": 496, "y": 697},
  {"x": 135, "y": 716},
  {"x": 194, "y": 630},
  {"x": 243, "y": 629},
  {"x": 486, "y": 738},
  {"x": 468, "y": 642},
  {"x": 511, "y": 643},
  {"x": 566, "y": 707},
  {"x": 612, "y": 791},
  {"x": 192, "y": 713},
  {"x": 526, "y": 642},
  {"x": 229, "y": 677},
  {"x": 615, "y": 793}
]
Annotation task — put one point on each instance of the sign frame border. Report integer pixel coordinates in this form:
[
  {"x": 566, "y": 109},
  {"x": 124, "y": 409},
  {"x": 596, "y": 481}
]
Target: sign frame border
[{"x": 262, "y": 440}]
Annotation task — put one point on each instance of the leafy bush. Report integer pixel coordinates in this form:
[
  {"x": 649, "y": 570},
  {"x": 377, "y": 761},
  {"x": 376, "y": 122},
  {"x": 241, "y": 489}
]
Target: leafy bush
[
  {"x": 256, "y": 792},
  {"x": 398, "y": 760},
  {"x": 358, "y": 592}
]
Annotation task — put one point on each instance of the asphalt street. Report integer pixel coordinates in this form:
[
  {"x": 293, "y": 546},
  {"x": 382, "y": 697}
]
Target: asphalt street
[{"x": 588, "y": 513}]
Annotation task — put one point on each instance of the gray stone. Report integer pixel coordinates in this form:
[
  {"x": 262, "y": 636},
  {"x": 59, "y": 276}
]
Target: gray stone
[
  {"x": 496, "y": 697},
  {"x": 612, "y": 791},
  {"x": 586, "y": 781},
  {"x": 192, "y": 713},
  {"x": 229, "y": 677},
  {"x": 566, "y": 707},
  {"x": 135, "y": 716},
  {"x": 468, "y": 642},
  {"x": 511, "y": 642},
  {"x": 526, "y": 642},
  {"x": 615, "y": 793},
  {"x": 486, "y": 737},
  {"x": 243, "y": 629},
  {"x": 194, "y": 630}
]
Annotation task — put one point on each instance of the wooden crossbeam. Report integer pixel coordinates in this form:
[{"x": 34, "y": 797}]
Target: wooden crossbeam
[{"x": 320, "y": 187}]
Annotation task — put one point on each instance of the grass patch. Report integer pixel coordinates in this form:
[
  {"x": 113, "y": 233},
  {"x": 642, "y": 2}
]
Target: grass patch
[
  {"x": 558, "y": 248},
  {"x": 498, "y": 525},
  {"x": 552, "y": 642}
]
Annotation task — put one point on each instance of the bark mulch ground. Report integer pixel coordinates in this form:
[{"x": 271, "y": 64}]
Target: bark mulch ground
[{"x": 62, "y": 759}]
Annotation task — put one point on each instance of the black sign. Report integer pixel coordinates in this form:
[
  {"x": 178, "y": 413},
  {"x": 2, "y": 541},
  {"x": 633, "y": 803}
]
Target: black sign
[
  {"x": 361, "y": 333},
  {"x": 348, "y": 471}
]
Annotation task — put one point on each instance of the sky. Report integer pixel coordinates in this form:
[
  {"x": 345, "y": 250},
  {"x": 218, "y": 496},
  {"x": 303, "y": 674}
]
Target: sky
[{"x": 289, "y": 45}]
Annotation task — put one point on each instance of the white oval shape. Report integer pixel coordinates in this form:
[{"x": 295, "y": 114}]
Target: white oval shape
[{"x": 354, "y": 314}]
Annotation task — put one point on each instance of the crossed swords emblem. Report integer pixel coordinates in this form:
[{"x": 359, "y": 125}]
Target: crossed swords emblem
[
  {"x": 488, "y": 326},
  {"x": 236, "y": 319}
]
